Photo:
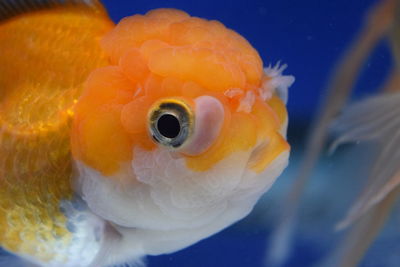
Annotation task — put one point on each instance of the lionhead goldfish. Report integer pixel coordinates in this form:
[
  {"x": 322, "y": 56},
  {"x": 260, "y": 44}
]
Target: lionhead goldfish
[{"x": 120, "y": 141}]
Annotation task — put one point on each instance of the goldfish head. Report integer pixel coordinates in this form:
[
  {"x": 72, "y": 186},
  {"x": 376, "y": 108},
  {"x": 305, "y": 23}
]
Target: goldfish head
[{"x": 184, "y": 131}]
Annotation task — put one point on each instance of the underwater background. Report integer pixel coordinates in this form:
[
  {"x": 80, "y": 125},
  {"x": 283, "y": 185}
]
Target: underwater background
[{"x": 309, "y": 36}]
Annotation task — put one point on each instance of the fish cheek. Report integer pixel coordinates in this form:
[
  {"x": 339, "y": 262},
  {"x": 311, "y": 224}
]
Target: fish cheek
[
  {"x": 271, "y": 117},
  {"x": 103, "y": 143},
  {"x": 264, "y": 154},
  {"x": 239, "y": 133},
  {"x": 98, "y": 138}
]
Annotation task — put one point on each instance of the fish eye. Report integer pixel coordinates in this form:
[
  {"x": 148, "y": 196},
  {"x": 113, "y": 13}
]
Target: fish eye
[
  {"x": 171, "y": 122},
  {"x": 168, "y": 125}
]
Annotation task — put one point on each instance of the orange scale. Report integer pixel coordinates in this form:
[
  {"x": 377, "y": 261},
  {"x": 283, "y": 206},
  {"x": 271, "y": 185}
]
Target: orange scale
[
  {"x": 122, "y": 97},
  {"x": 202, "y": 66},
  {"x": 279, "y": 108},
  {"x": 172, "y": 15},
  {"x": 144, "y": 141},
  {"x": 192, "y": 90},
  {"x": 94, "y": 133},
  {"x": 134, "y": 115},
  {"x": 172, "y": 86},
  {"x": 217, "y": 27},
  {"x": 230, "y": 41},
  {"x": 118, "y": 41},
  {"x": 183, "y": 33},
  {"x": 267, "y": 120},
  {"x": 132, "y": 32},
  {"x": 240, "y": 43},
  {"x": 214, "y": 28},
  {"x": 176, "y": 31},
  {"x": 150, "y": 46},
  {"x": 219, "y": 47},
  {"x": 155, "y": 28},
  {"x": 193, "y": 22},
  {"x": 153, "y": 87},
  {"x": 105, "y": 85},
  {"x": 203, "y": 44},
  {"x": 252, "y": 69},
  {"x": 134, "y": 65},
  {"x": 245, "y": 54}
]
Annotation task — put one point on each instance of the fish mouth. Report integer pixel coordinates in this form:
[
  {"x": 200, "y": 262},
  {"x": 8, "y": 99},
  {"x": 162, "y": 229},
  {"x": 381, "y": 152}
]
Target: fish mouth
[{"x": 257, "y": 154}]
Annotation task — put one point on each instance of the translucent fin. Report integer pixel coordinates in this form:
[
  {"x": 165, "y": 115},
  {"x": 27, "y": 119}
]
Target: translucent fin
[
  {"x": 362, "y": 234},
  {"x": 377, "y": 118},
  {"x": 339, "y": 88},
  {"x": 117, "y": 249},
  {"x": 11, "y": 8},
  {"x": 394, "y": 36},
  {"x": 370, "y": 119}
]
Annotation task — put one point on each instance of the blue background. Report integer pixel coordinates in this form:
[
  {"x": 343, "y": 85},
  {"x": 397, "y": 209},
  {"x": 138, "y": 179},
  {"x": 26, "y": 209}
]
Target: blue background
[{"x": 309, "y": 36}]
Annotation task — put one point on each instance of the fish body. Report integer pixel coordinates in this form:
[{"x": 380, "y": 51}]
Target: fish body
[
  {"x": 41, "y": 78},
  {"x": 120, "y": 141}
]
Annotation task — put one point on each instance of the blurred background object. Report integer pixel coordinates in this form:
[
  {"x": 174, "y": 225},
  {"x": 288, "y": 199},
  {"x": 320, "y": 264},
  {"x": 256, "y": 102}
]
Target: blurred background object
[{"x": 373, "y": 120}]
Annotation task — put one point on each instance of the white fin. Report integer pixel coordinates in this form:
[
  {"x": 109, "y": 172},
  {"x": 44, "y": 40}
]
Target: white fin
[
  {"x": 362, "y": 234},
  {"x": 368, "y": 119},
  {"x": 377, "y": 118},
  {"x": 279, "y": 83},
  {"x": 118, "y": 251}
]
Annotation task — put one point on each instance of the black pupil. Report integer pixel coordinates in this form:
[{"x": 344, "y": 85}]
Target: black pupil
[{"x": 168, "y": 126}]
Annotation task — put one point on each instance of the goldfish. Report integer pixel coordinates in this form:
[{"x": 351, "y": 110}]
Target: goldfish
[{"x": 123, "y": 140}]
